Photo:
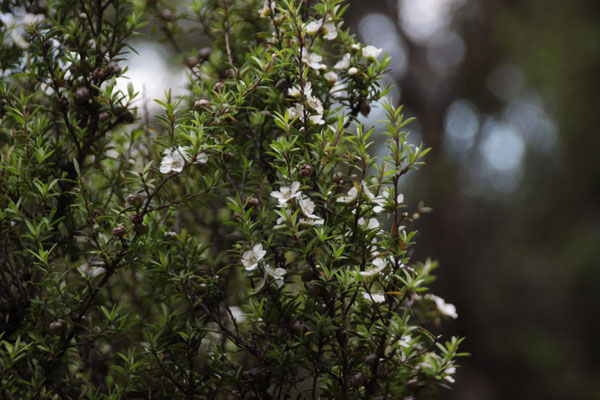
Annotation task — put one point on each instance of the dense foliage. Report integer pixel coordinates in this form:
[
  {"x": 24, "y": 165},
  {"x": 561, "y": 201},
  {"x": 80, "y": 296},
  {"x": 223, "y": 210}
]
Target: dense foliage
[{"x": 243, "y": 243}]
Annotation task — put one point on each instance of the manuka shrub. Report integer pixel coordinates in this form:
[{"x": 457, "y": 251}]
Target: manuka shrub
[{"x": 242, "y": 243}]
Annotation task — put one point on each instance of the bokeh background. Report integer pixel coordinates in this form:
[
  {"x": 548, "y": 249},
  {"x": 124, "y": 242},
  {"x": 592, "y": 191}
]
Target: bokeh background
[{"x": 506, "y": 94}]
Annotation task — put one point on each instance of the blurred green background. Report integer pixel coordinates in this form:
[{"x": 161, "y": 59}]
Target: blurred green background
[{"x": 506, "y": 94}]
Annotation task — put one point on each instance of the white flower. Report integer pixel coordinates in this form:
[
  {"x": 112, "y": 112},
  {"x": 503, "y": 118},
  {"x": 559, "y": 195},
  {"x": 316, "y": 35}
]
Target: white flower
[
  {"x": 277, "y": 275},
  {"x": 267, "y": 9},
  {"x": 316, "y": 119},
  {"x": 308, "y": 207},
  {"x": 331, "y": 77},
  {"x": 371, "y": 52},
  {"x": 285, "y": 193},
  {"x": 250, "y": 258},
  {"x": 313, "y": 60},
  {"x": 443, "y": 307},
  {"x": 312, "y": 222},
  {"x": 450, "y": 371},
  {"x": 174, "y": 160},
  {"x": 352, "y": 71},
  {"x": 338, "y": 89},
  {"x": 329, "y": 31},
  {"x": 91, "y": 272},
  {"x": 350, "y": 197},
  {"x": 374, "y": 297},
  {"x": 373, "y": 223},
  {"x": 314, "y": 103},
  {"x": 355, "y": 46},
  {"x": 312, "y": 27},
  {"x": 344, "y": 63},
  {"x": 379, "y": 264},
  {"x": 296, "y": 110},
  {"x": 405, "y": 341},
  {"x": 297, "y": 91}
]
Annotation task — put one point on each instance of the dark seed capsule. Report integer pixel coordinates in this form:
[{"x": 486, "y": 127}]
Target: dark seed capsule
[
  {"x": 371, "y": 359},
  {"x": 64, "y": 103},
  {"x": 113, "y": 68},
  {"x": 314, "y": 290},
  {"x": 104, "y": 116},
  {"x": 201, "y": 105},
  {"x": 58, "y": 327},
  {"x": 229, "y": 156},
  {"x": 119, "y": 231},
  {"x": 253, "y": 201},
  {"x": 306, "y": 170},
  {"x": 338, "y": 177},
  {"x": 218, "y": 86},
  {"x": 191, "y": 62},
  {"x": 82, "y": 94},
  {"x": 99, "y": 73},
  {"x": 204, "y": 53},
  {"x": 167, "y": 15},
  {"x": 358, "y": 379},
  {"x": 134, "y": 199},
  {"x": 308, "y": 274},
  {"x": 140, "y": 229},
  {"x": 282, "y": 85},
  {"x": 364, "y": 107},
  {"x": 128, "y": 117},
  {"x": 382, "y": 372}
]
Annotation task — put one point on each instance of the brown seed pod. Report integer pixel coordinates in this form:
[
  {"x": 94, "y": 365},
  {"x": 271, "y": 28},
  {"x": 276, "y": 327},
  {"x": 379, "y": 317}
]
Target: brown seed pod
[
  {"x": 308, "y": 274},
  {"x": 218, "y": 86},
  {"x": 113, "y": 68},
  {"x": 338, "y": 177},
  {"x": 305, "y": 170},
  {"x": 371, "y": 359},
  {"x": 167, "y": 15},
  {"x": 99, "y": 73},
  {"x": 253, "y": 201},
  {"x": 104, "y": 116},
  {"x": 58, "y": 327},
  {"x": 140, "y": 229},
  {"x": 64, "y": 103},
  {"x": 282, "y": 85},
  {"x": 201, "y": 105},
  {"x": 82, "y": 94},
  {"x": 191, "y": 62},
  {"x": 128, "y": 117},
  {"x": 358, "y": 379},
  {"x": 134, "y": 199},
  {"x": 314, "y": 290},
  {"x": 204, "y": 53},
  {"x": 364, "y": 108},
  {"x": 119, "y": 231}
]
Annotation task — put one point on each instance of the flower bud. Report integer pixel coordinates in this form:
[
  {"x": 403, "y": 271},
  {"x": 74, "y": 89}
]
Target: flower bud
[
  {"x": 230, "y": 73},
  {"x": 119, "y": 231},
  {"x": 352, "y": 71},
  {"x": 204, "y": 53},
  {"x": 191, "y": 62},
  {"x": 99, "y": 73},
  {"x": 314, "y": 290},
  {"x": 167, "y": 15},
  {"x": 82, "y": 94},
  {"x": 58, "y": 327},
  {"x": 371, "y": 359},
  {"x": 253, "y": 201},
  {"x": 305, "y": 170},
  {"x": 308, "y": 274},
  {"x": 113, "y": 68},
  {"x": 404, "y": 214},
  {"x": 416, "y": 216},
  {"x": 201, "y": 105}
]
